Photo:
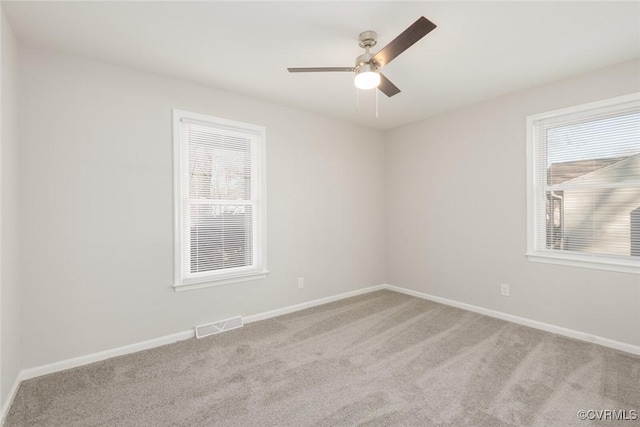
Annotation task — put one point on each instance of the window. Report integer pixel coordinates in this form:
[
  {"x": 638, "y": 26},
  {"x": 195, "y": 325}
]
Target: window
[
  {"x": 584, "y": 185},
  {"x": 219, "y": 202}
]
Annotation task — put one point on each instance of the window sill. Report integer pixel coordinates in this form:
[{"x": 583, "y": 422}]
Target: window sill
[
  {"x": 180, "y": 287},
  {"x": 586, "y": 261}
]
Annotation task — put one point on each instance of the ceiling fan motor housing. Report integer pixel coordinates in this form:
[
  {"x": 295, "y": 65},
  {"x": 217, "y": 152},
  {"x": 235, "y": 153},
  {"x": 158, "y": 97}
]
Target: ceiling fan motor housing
[{"x": 364, "y": 61}]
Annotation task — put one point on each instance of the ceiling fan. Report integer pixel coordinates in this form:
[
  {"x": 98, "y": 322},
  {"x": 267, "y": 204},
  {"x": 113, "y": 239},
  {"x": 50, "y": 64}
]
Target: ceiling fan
[{"x": 368, "y": 65}]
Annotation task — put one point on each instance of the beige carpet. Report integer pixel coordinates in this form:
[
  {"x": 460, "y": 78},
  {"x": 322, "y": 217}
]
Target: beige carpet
[{"x": 379, "y": 359}]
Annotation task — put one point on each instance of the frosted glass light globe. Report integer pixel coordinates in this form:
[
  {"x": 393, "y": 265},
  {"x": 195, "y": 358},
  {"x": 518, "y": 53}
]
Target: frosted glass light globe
[
  {"x": 367, "y": 80},
  {"x": 367, "y": 76}
]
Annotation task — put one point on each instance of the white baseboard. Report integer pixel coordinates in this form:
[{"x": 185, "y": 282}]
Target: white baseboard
[
  {"x": 62, "y": 365},
  {"x": 582, "y": 336},
  {"x": 309, "y": 304},
  {"x": 27, "y": 374},
  {"x": 12, "y": 395}
]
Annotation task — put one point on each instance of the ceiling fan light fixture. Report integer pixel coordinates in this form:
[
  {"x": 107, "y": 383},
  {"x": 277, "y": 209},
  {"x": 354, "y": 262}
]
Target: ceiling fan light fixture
[
  {"x": 367, "y": 77},
  {"x": 368, "y": 65}
]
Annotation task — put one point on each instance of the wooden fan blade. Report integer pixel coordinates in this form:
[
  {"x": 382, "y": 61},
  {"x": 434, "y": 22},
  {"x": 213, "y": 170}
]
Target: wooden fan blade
[
  {"x": 320, "y": 69},
  {"x": 387, "y": 87},
  {"x": 404, "y": 41}
]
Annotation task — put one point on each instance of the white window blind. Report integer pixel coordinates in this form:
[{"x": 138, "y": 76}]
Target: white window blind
[
  {"x": 220, "y": 200},
  {"x": 586, "y": 185}
]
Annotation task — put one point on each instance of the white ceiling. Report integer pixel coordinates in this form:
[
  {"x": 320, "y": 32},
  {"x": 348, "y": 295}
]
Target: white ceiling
[{"x": 480, "y": 50}]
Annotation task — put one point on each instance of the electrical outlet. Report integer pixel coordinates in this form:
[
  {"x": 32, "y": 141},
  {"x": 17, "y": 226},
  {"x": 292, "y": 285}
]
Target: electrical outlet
[
  {"x": 300, "y": 282},
  {"x": 504, "y": 290}
]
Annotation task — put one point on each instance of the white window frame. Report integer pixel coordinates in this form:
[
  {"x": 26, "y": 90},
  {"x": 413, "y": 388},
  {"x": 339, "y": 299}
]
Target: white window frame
[
  {"x": 207, "y": 279},
  {"x": 536, "y": 254}
]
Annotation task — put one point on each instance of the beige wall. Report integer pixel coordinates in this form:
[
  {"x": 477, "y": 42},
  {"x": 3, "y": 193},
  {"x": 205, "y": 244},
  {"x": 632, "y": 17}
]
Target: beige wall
[
  {"x": 456, "y": 213},
  {"x": 9, "y": 239},
  {"x": 441, "y": 201},
  {"x": 97, "y": 211}
]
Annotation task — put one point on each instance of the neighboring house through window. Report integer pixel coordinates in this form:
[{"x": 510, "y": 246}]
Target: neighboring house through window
[
  {"x": 220, "y": 228},
  {"x": 584, "y": 185}
]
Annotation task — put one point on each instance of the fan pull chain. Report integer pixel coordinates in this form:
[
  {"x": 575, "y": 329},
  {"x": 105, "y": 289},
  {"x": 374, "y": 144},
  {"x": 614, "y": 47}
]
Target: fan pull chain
[
  {"x": 377, "y": 116},
  {"x": 357, "y": 100}
]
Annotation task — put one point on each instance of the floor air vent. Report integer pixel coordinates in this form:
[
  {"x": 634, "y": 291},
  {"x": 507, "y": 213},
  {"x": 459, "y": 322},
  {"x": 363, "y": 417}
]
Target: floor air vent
[{"x": 219, "y": 326}]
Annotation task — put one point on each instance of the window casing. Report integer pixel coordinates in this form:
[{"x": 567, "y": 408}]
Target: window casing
[
  {"x": 219, "y": 201},
  {"x": 583, "y": 167}
]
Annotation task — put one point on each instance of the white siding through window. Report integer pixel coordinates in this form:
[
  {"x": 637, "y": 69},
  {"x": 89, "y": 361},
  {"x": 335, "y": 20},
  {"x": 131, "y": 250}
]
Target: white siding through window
[{"x": 585, "y": 196}]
